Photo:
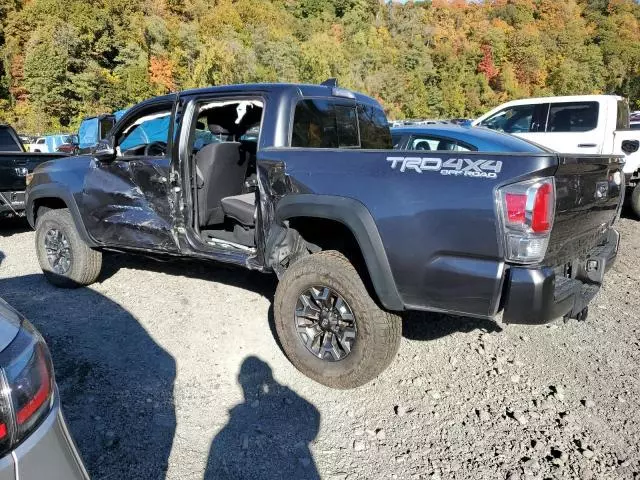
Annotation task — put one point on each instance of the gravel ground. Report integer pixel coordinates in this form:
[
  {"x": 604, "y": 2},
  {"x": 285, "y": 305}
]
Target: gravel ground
[{"x": 171, "y": 370}]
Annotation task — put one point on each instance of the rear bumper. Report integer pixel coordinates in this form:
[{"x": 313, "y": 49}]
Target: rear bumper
[
  {"x": 12, "y": 202},
  {"x": 48, "y": 453},
  {"x": 538, "y": 295}
]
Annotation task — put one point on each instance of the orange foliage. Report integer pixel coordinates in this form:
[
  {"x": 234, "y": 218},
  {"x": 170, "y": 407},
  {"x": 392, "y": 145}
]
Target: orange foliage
[
  {"x": 17, "y": 76},
  {"x": 161, "y": 73}
]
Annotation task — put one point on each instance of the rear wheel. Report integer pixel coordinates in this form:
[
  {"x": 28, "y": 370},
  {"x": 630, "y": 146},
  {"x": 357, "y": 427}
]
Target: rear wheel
[
  {"x": 66, "y": 260},
  {"x": 329, "y": 326},
  {"x": 635, "y": 200}
]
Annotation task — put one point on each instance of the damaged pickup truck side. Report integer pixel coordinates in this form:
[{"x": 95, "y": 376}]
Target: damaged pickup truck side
[{"x": 301, "y": 180}]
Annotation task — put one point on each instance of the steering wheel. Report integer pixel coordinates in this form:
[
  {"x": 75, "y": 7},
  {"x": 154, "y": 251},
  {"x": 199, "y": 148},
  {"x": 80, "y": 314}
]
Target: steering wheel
[{"x": 155, "y": 149}]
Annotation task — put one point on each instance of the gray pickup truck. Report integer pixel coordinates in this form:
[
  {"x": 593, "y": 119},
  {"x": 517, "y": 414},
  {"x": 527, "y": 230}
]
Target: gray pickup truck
[
  {"x": 302, "y": 180},
  {"x": 15, "y": 164}
]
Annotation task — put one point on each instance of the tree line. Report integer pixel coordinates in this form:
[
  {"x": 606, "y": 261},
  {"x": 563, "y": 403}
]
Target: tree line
[{"x": 61, "y": 60}]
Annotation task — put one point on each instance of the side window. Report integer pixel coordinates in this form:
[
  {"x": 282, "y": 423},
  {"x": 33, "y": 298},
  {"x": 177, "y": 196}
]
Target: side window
[
  {"x": 88, "y": 132},
  {"x": 145, "y": 135},
  {"x": 516, "y": 119},
  {"x": 435, "y": 143},
  {"x": 374, "y": 128},
  {"x": 572, "y": 117},
  {"x": 106, "y": 124},
  {"x": 622, "y": 115},
  {"x": 324, "y": 124}
]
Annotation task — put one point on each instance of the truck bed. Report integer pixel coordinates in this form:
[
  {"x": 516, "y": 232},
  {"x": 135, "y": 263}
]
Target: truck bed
[
  {"x": 13, "y": 169},
  {"x": 440, "y": 229}
]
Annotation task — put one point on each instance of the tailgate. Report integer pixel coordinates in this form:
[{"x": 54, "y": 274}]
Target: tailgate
[
  {"x": 13, "y": 165},
  {"x": 588, "y": 198}
]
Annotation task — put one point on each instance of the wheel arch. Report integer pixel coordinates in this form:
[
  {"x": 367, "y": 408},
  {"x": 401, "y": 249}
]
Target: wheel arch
[
  {"x": 357, "y": 219},
  {"x": 55, "y": 197}
]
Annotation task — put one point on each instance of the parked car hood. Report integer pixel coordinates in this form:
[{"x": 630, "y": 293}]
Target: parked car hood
[{"x": 10, "y": 322}]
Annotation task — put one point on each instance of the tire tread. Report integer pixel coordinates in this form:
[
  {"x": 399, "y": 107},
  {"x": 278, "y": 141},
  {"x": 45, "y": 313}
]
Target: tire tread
[{"x": 385, "y": 327}]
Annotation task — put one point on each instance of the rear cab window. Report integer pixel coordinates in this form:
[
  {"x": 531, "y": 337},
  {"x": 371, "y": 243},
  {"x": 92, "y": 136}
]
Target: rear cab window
[
  {"x": 438, "y": 143},
  {"x": 572, "y": 117},
  {"x": 327, "y": 123}
]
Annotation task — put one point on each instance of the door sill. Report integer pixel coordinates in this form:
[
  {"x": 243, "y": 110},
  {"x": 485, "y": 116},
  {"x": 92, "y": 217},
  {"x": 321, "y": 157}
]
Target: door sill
[{"x": 227, "y": 245}]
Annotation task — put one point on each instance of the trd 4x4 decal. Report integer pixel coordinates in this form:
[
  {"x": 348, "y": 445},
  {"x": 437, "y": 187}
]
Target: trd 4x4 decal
[{"x": 465, "y": 167}]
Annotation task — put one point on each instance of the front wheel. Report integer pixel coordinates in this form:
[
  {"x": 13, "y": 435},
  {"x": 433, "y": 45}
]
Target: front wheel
[
  {"x": 329, "y": 326},
  {"x": 66, "y": 260}
]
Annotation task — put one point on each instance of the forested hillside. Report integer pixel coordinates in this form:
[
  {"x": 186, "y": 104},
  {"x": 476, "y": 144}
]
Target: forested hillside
[{"x": 63, "y": 59}]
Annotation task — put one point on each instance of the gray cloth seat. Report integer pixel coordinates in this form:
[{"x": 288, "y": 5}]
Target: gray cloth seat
[
  {"x": 221, "y": 169},
  {"x": 240, "y": 207}
]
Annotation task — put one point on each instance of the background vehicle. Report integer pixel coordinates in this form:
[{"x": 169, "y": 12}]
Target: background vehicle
[
  {"x": 70, "y": 145},
  {"x": 34, "y": 439},
  {"x": 597, "y": 124},
  {"x": 39, "y": 145},
  {"x": 356, "y": 232},
  {"x": 94, "y": 129},
  {"x": 15, "y": 165},
  {"x": 454, "y": 138}
]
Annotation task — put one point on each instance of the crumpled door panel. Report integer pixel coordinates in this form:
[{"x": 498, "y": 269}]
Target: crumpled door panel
[{"x": 128, "y": 204}]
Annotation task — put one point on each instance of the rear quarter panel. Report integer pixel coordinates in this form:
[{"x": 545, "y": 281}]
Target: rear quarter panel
[{"x": 440, "y": 232}]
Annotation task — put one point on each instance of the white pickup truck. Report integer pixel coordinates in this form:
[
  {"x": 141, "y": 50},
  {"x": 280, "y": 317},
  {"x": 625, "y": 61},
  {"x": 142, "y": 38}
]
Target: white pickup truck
[{"x": 596, "y": 124}]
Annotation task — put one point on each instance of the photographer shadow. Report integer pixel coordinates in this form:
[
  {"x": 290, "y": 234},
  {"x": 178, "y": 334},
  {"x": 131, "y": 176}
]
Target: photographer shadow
[
  {"x": 267, "y": 436},
  {"x": 115, "y": 382}
]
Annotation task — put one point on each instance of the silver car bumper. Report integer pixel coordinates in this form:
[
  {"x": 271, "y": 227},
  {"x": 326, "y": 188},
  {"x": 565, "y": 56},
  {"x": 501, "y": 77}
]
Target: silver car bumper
[{"x": 49, "y": 453}]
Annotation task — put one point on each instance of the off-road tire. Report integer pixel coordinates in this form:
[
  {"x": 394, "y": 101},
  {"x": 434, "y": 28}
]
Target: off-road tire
[
  {"x": 86, "y": 263},
  {"x": 635, "y": 200},
  {"x": 378, "y": 332}
]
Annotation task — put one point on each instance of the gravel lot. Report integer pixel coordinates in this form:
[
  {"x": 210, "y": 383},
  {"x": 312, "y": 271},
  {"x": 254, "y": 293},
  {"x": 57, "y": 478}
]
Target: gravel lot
[{"x": 171, "y": 370}]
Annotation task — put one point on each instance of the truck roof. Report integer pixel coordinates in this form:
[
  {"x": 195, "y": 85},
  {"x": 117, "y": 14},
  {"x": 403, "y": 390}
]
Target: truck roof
[
  {"x": 562, "y": 99},
  {"x": 305, "y": 90}
]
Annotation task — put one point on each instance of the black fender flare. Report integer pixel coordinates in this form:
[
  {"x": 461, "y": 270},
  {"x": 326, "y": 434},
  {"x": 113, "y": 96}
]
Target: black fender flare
[
  {"x": 61, "y": 193},
  {"x": 357, "y": 218}
]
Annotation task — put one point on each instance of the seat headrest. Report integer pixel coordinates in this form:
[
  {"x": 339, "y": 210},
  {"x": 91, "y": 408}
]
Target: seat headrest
[{"x": 217, "y": 129}]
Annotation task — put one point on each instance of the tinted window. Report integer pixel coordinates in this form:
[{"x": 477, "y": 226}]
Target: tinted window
[
  {"x": 8, "y": 142},
  {"x": 572, "y": 117},
  {"x": 516, "y": 119},
  {"x": 106, "y": 124},
  {"x": 433, "y": 142},
  {"x": 374, "y": 129},
  {"x": 622, "y": 117},
  {"x": 323, "y": 124},
  {"x": 347, "y": 126},
  {"x": 635, "y": 126}
]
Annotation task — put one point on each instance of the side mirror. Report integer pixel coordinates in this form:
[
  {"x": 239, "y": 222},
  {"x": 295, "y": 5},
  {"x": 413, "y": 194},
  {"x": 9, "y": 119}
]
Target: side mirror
[
  {"x": 104, "y": 150},
  {"x": 630, "y": 146}
]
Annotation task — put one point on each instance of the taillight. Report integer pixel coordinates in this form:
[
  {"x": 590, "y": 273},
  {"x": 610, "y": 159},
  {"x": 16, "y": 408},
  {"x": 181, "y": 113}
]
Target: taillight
[
  {"x": 27, "y": 386},
  {"x": 526, "y": 212}
]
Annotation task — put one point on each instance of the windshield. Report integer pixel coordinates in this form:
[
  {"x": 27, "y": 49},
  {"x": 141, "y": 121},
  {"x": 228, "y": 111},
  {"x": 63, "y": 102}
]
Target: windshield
[{"x": 516, "y": 119}]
